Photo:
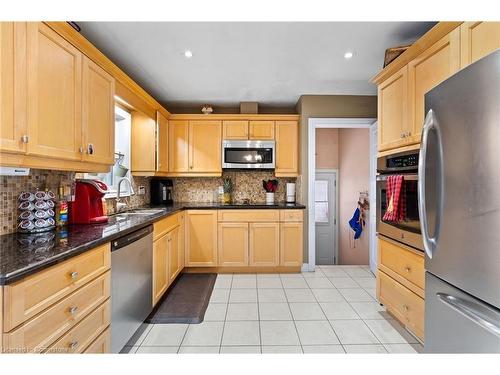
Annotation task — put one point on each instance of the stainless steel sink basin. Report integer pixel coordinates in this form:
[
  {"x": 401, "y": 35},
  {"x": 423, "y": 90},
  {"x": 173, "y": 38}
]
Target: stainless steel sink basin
[{"x": 145, "y": 212}]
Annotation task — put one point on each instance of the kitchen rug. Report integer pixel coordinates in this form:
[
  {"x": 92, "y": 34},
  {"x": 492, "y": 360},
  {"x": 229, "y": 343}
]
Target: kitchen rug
[{"x": 186, "y": 301}]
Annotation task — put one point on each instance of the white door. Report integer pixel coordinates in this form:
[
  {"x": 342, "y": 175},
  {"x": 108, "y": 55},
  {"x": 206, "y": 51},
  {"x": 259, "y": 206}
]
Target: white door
[
  {"x": 325, "y": 216},
  {"x": 373, "y": 195}
]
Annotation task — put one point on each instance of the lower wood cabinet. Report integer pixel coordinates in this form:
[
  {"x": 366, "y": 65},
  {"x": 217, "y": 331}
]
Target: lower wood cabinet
[
  {"x": 101, "y": 345},
  {"x": 291, "y": 246},
  {"x": 160, "y": 268},
  {"x": 201, "y": 238},
  {"x": 232, "y": 244},
  {"x": 174, "y": 257},
  {"x": 264, "y": 244}
]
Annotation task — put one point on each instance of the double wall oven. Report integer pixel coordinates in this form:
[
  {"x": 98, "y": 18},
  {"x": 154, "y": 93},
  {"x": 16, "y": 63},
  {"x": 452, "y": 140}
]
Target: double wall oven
[{"x": 407, "y": 230}]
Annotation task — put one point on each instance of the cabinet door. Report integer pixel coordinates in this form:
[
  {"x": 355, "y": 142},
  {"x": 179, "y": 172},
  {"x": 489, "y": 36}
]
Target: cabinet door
[
  {"x": 178, "y": 146},
  {"x": 291, "y": 252},
  {"x": 143, "y": 140},
  {"x": 261, "y": 130},
  {"x": 235, "y": 129},
  {"x": 182, "y": 240},
  {"x": 478, "y": 39},
  {"x": 264, "y": 244},
  {"x": 12, "y": 83},
  {"x": 160, "y": 267},
  {"x": 201, "y": 238},
  {"x": 392, "y": 111},
  {"x": 287, "y": 148},
  {"x": 98, "y": 114},
  {"x": 162, "y": 143},
  {"x": 425, "y": 72},
  {"x": 205, "y": 146},
  {"x": 54, "y": 94},
  {"x": 174, "y": 265},
  {"x": 233, "y": 244}
]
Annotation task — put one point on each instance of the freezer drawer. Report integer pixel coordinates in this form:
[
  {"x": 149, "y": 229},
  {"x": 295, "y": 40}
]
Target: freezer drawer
[{"x": 456, "y": 322}]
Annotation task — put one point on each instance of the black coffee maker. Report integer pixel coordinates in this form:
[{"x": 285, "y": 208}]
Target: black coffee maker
[{"x": 161, "y": 191}]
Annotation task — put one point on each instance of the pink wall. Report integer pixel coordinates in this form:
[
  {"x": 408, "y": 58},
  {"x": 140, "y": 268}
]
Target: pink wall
[
  {"x": 327, "y": 148},
  {"x": 354, "y": 176}
]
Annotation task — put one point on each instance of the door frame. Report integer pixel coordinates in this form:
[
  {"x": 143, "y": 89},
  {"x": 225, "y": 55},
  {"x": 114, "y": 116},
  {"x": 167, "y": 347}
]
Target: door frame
[{"x": 329, "y": 123}]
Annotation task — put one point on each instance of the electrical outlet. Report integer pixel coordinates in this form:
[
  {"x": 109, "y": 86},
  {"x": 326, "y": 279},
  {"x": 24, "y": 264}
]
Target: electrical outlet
[{"x": 141, "y": 190}]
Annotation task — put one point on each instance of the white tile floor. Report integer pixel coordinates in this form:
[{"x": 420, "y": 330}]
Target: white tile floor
[{"x": 332, "y": 310}]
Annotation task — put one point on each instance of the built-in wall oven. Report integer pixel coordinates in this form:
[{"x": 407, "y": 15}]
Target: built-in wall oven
[{"x": 406, "y": 230}]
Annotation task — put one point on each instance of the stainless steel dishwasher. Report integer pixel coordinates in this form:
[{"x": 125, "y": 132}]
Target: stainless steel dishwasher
[{"x": 131, "y": 284}]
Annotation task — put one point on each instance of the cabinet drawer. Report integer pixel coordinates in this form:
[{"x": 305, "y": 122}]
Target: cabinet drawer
[
  {"x": 163, "y": 226},
  {"x": 404, "y": 262},
  {"x": 248, "y": 215},
  {"x": 38, "y": 333},
  {"x": 28, "y": 297},
  {"x": 101, "y": 345},
  {"x": 82, "y": 335},
  {"x": 291, "y": 215},
  {"x": 402, "y": 303}
]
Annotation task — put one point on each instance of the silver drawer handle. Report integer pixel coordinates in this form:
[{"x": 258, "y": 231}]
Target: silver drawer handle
[
  {"x": 73, "y": 275},
  {"x": 73, "y": 310},
  {"x": 73, "y": 344}
]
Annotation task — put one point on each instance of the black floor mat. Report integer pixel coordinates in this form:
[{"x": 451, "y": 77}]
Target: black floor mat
[{"x": 186, "y": 301}]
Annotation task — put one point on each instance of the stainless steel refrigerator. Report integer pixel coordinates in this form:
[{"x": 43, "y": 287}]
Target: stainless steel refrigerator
[{"x": 459, "y": 204}]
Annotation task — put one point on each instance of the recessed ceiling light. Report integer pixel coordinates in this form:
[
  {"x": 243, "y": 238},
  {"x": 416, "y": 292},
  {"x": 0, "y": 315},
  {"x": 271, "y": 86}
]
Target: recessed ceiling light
[
  {"x": 188, "y": 54},
  {"x": 348, "y": 55}
]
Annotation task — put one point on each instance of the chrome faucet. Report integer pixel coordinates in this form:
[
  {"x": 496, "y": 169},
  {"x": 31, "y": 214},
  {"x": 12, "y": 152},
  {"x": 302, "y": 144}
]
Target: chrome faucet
[{"x": 119, "y": 205}]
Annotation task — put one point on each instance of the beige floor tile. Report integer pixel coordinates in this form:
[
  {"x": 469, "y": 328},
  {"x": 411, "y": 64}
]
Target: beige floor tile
[
  {"x": 318, "y": 273},
  {"x": 328, "y": 295},
  {"x": 343, "y": 282},
  {"x": 199, "y": 350},
  {"x": 390, "y": 332},
  {"x": 365, "y": 349},
  {"x": 220, "y": 296},
  {"x": 366, "y": 282},
  {"x": 216, "y": 312},
  {"x": 319, "y": 283},
  {"x": 353, "y": 332},
  {"x": 239, "y": 276},
  {"x": 291, "y": 276},
  {"x": 223, "y": 283},
  {"x": 204, "y": 334},
  {"x": 268, "y": 276},
  {"x": 307, "y": 311},
  {"x": 274, "y": 311},
  {"x": 358, "y": 272},
  {"x": 372, "y": 292},
  {"x": 404, "y": 348},
  {"x": 165, "y": 335},
  {"x": 300, "y": 295},
  {"x": 272, "y": 295},
  {"x": 250, "y": 283},
  {"x": 157, "y": 350},
  {"x": 369, "y": 310},
  {"x": 316, "y": 333},
  {"x": 356, "y": 295},
  {"x": 338, "y": 310},
  {"x": 243, "y": 295},
  {"x": 294, "y": 283},
  {"x": 241, "y": 333},
  {"x": 240, "y": 350},
  {"x": 242, "y": 311},
  {"x": 334, "y": 272},
  {"x": 278, "y": 333},
  {"x": 323, "y": 349},
  {"x": 269, "y": 283},
  {"x": 281, "y": 349}
]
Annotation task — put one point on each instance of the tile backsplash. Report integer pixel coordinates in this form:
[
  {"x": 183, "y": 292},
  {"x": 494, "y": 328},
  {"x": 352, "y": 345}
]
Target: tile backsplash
[{"x": 247, "y": 185}]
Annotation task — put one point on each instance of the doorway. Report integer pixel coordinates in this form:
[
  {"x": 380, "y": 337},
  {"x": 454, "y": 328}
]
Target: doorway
[{"x": 325, "y": 202}]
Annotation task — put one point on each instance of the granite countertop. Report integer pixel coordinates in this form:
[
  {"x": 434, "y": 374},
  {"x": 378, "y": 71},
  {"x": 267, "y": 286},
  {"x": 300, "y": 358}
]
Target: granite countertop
[{"x": 24, "y": 254}]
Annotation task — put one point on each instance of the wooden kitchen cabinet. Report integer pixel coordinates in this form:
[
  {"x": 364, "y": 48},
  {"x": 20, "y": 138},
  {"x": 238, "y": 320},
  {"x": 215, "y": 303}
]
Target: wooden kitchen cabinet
[
  {"x": 205, "y": 147},
  {"x": 54, "y": 94},
  {"x": 291, "y": 245},
  {"x": 264, "y": 244},
  {"x": 261, "y": 130},
  {"x": 392, "y": 111},
  {"x": 160, "y": 267},
  {"x": 12, "y": 87},
  {"x": 287, "y": 149},
  {"x": 161, "y": 143},
  {"x": 425, "y": 72},
  {"x": 235, "y": 129},
  {"x": 201, "y": 238},
  {"x": 178, "y": 146},
  {"x": 174, "y": 258},
  {"x": 143, "y": 135},
  {"x": 478, "y": 39},
  {"x": 233, "y": 244},
  {"x": 98, "y": 114}
]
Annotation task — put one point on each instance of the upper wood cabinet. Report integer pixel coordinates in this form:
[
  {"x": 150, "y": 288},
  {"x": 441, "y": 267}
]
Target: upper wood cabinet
[
  {"x": 478, "y": 39},
  {"x": 264, "y": 244},
  {"x": 235, "y": 129},
  {"x": 287, "y": 148},
  {"x": 178, "y": 146},
  {"x": 54, "y": 94},
  {"x": 12, "y": 87},
  {"x": 205, "y": 146},
  {"x": 98, "y": 114},
  {"x": 233, "y": 244},
  {"x": 392, "y": 110},
  {"x": 425, "y": 72},
  {"x": 201, "y": 238},
  {"x": 161, "y": 143},
  {"x": 143, "y": 150},
  {"x": 261, "y": 130}
]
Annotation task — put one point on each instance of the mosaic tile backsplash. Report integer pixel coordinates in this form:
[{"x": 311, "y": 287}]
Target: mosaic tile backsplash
[{"x": 247, "y": 185}]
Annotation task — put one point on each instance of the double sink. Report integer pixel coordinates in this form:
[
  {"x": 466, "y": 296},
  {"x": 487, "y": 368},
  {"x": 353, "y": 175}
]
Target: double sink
[{"x": 143, "y": 212}]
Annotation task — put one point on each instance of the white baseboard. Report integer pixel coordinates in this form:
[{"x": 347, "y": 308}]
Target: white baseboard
[{"x": 305, "y": 268}]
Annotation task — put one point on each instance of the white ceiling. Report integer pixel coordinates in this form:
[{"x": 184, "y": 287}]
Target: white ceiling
[{"x": 272, "y": 63}]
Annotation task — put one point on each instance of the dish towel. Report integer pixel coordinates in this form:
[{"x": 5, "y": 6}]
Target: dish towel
[
  {"x": 356, "y": 223},
  {"x": 396, "y": 198}
]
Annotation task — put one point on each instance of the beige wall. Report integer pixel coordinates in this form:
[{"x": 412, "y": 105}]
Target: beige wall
[
  {"x": 327, "y": 106},
  {"x": 327, "y": 148},
  {"x": 354, "y": 176}
]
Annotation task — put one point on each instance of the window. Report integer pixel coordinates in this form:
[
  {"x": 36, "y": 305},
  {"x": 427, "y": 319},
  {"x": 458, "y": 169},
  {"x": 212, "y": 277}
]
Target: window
[
  {"x": 121, "y": 168},
  {"x": 321, "y": 204}
]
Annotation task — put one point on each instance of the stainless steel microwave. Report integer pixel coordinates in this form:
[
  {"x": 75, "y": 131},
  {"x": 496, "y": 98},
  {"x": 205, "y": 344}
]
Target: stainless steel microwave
[{"x": 248, "y": 154}]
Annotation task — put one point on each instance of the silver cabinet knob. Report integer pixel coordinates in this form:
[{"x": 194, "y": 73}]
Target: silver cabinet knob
[
  {"x": 405, "y": 308},
  {"x": 73, "y": 310},
  {"x": 73, "y": 344},
  {"x": 407, "y": 269},
  {"x": 24, "y": 139},
  {"x": 90, "y": 149},
  {"x": 73, "y": 275}
]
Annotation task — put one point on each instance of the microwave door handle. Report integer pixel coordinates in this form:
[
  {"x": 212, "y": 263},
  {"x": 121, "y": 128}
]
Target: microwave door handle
[
  {"x": 430, "y": 243},
  {"x": 479, "y": 313}
]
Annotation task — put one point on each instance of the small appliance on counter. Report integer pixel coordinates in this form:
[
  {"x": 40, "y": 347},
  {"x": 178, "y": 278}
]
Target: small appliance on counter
[
  {"x": 161, "y": 191},
  {"x": 88, "y": 206},
  {"x": 290, "y": 192}
]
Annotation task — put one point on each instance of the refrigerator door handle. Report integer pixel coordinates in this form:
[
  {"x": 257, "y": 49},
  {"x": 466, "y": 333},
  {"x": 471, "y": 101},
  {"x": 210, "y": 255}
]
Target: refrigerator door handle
[
  {"x": 430, "y": 243},
  {"x": 479, "y": 313}
]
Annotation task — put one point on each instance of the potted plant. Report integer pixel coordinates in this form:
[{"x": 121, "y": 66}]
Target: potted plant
[
  {"x": 270, "y": 187},
  {"x": 228, "y": 186}
]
